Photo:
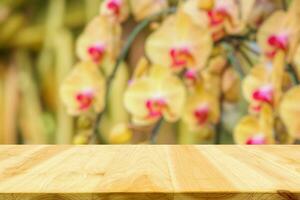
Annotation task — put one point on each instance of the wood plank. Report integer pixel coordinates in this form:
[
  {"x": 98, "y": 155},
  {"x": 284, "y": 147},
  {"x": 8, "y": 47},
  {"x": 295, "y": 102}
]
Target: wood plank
[{"x": 149, "y": 172}]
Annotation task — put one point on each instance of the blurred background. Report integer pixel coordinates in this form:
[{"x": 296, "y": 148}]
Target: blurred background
[{"x": 36, "y": 52}]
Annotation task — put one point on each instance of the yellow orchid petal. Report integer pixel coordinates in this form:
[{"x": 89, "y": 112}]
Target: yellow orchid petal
[
  {"x": 193, "y": 9},
  {"x": 266, "y": 82},
  {"x": 116, "y": 10},
  {"x": 158, "y": 94},
  {"x": 99, "y": 41},
  {"x": 120, "y": 134},
  {"x": 142, "y": 9},
  {"x": 176, "y": 46},
  {"x": 266, "y": 122},
  {"x": 211, "y": 83},
  {"x": 290, "y": 111},
  {"x": 294, "y": 14},
  {"x": 217, "y": 64},
  {"x": 141, "y": 68},
  {"x": 206, "y": 4},
  {"x": 279, "y": 32},
  {"x": 260, "y": 11},
  {"x": 274, "y": 24},
  {"x": 159, "y": 72},
  {"x": 296, "y": 60},
  {"x": 246, "y": 7},
  {"x": 201, "y": 108},
  {"x": 159, "y": 43},
  {"x": 256, "y": 129},
  {"x": 221, "y": 17},
  {"x": 182, "y": 23},
  {"x": 246, "y": 128},
  {"x": 278, "y": 76},
  {"x": 259, "y": 76},
  {"x": 83, "y": 89},
  {"x": 175, "y": 95},
  {"x": 141, "y": 121},
  {"x": 136, "y": 96}
]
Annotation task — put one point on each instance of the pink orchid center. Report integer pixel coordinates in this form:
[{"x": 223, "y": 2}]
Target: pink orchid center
[
  {"x": 155, "y": 107},
  {"x": 202, "y": 113},
  {"x": 264, "y": 94},
  {"x": 114, "y": 6},
  {"x": 256, "y": 108},
  {"x": 96, "y": 52},
  {"x": 256, "y": 140},
  {"x": 85, "y": 99},
  {"x": 217, "y": 16},
  {"x": 191, "y": 74},
  {"x": 181, "y": 56},
  {"x": 278, "y": 42}
]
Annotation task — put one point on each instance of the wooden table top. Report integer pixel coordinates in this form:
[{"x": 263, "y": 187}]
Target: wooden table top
[{"x": 149, "y": 171}]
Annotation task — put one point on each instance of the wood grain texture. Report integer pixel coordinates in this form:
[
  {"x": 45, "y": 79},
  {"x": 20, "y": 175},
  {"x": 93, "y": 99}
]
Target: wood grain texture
[{"x": 149, "y": 172}]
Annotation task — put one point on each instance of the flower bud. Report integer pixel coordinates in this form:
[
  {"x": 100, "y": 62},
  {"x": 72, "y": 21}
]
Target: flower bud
[{"x": 120, "y": 134}]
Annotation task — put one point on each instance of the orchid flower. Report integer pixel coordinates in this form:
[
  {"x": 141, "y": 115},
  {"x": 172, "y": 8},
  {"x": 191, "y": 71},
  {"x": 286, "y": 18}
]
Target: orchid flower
[
  {"x": 201, "y": 109},
  {"x": 145, "y": 8},
  {"x": 219, "y": 16},
  {"x": 83, "y": 89},
  {"x": 179, "y": 44},
  {"x": 256, "y": 130},
  {"x": 155, "y": 95},
  {"x": 265, "y": 83},
  {"x": 116, "y": 10},
  {"x": 100, "y": 41},
  {"x": 289, "y": 111},
  {"x": 280, "y": 32}
]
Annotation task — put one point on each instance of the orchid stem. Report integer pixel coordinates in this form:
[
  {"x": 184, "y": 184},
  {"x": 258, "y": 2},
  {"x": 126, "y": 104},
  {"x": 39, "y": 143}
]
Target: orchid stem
[
  {"x": 246, "y": 46},
  {"x": 217, "y": 138},
  {"x": 245, "y": 56},
  {"x": 155, "y": 131},
  {"x": 284, "y": 4},
  {"x": 219, "y": 125},
  {"x": 122, "y": 57},
  {"x": 293, "y": 74},
  {"x": 233, "y": 62},
  {"x": 96, "y": 134}
]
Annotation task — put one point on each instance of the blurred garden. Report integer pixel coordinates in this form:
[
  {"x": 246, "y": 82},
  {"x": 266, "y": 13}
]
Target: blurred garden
[{"x": 149, "y": 72}]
